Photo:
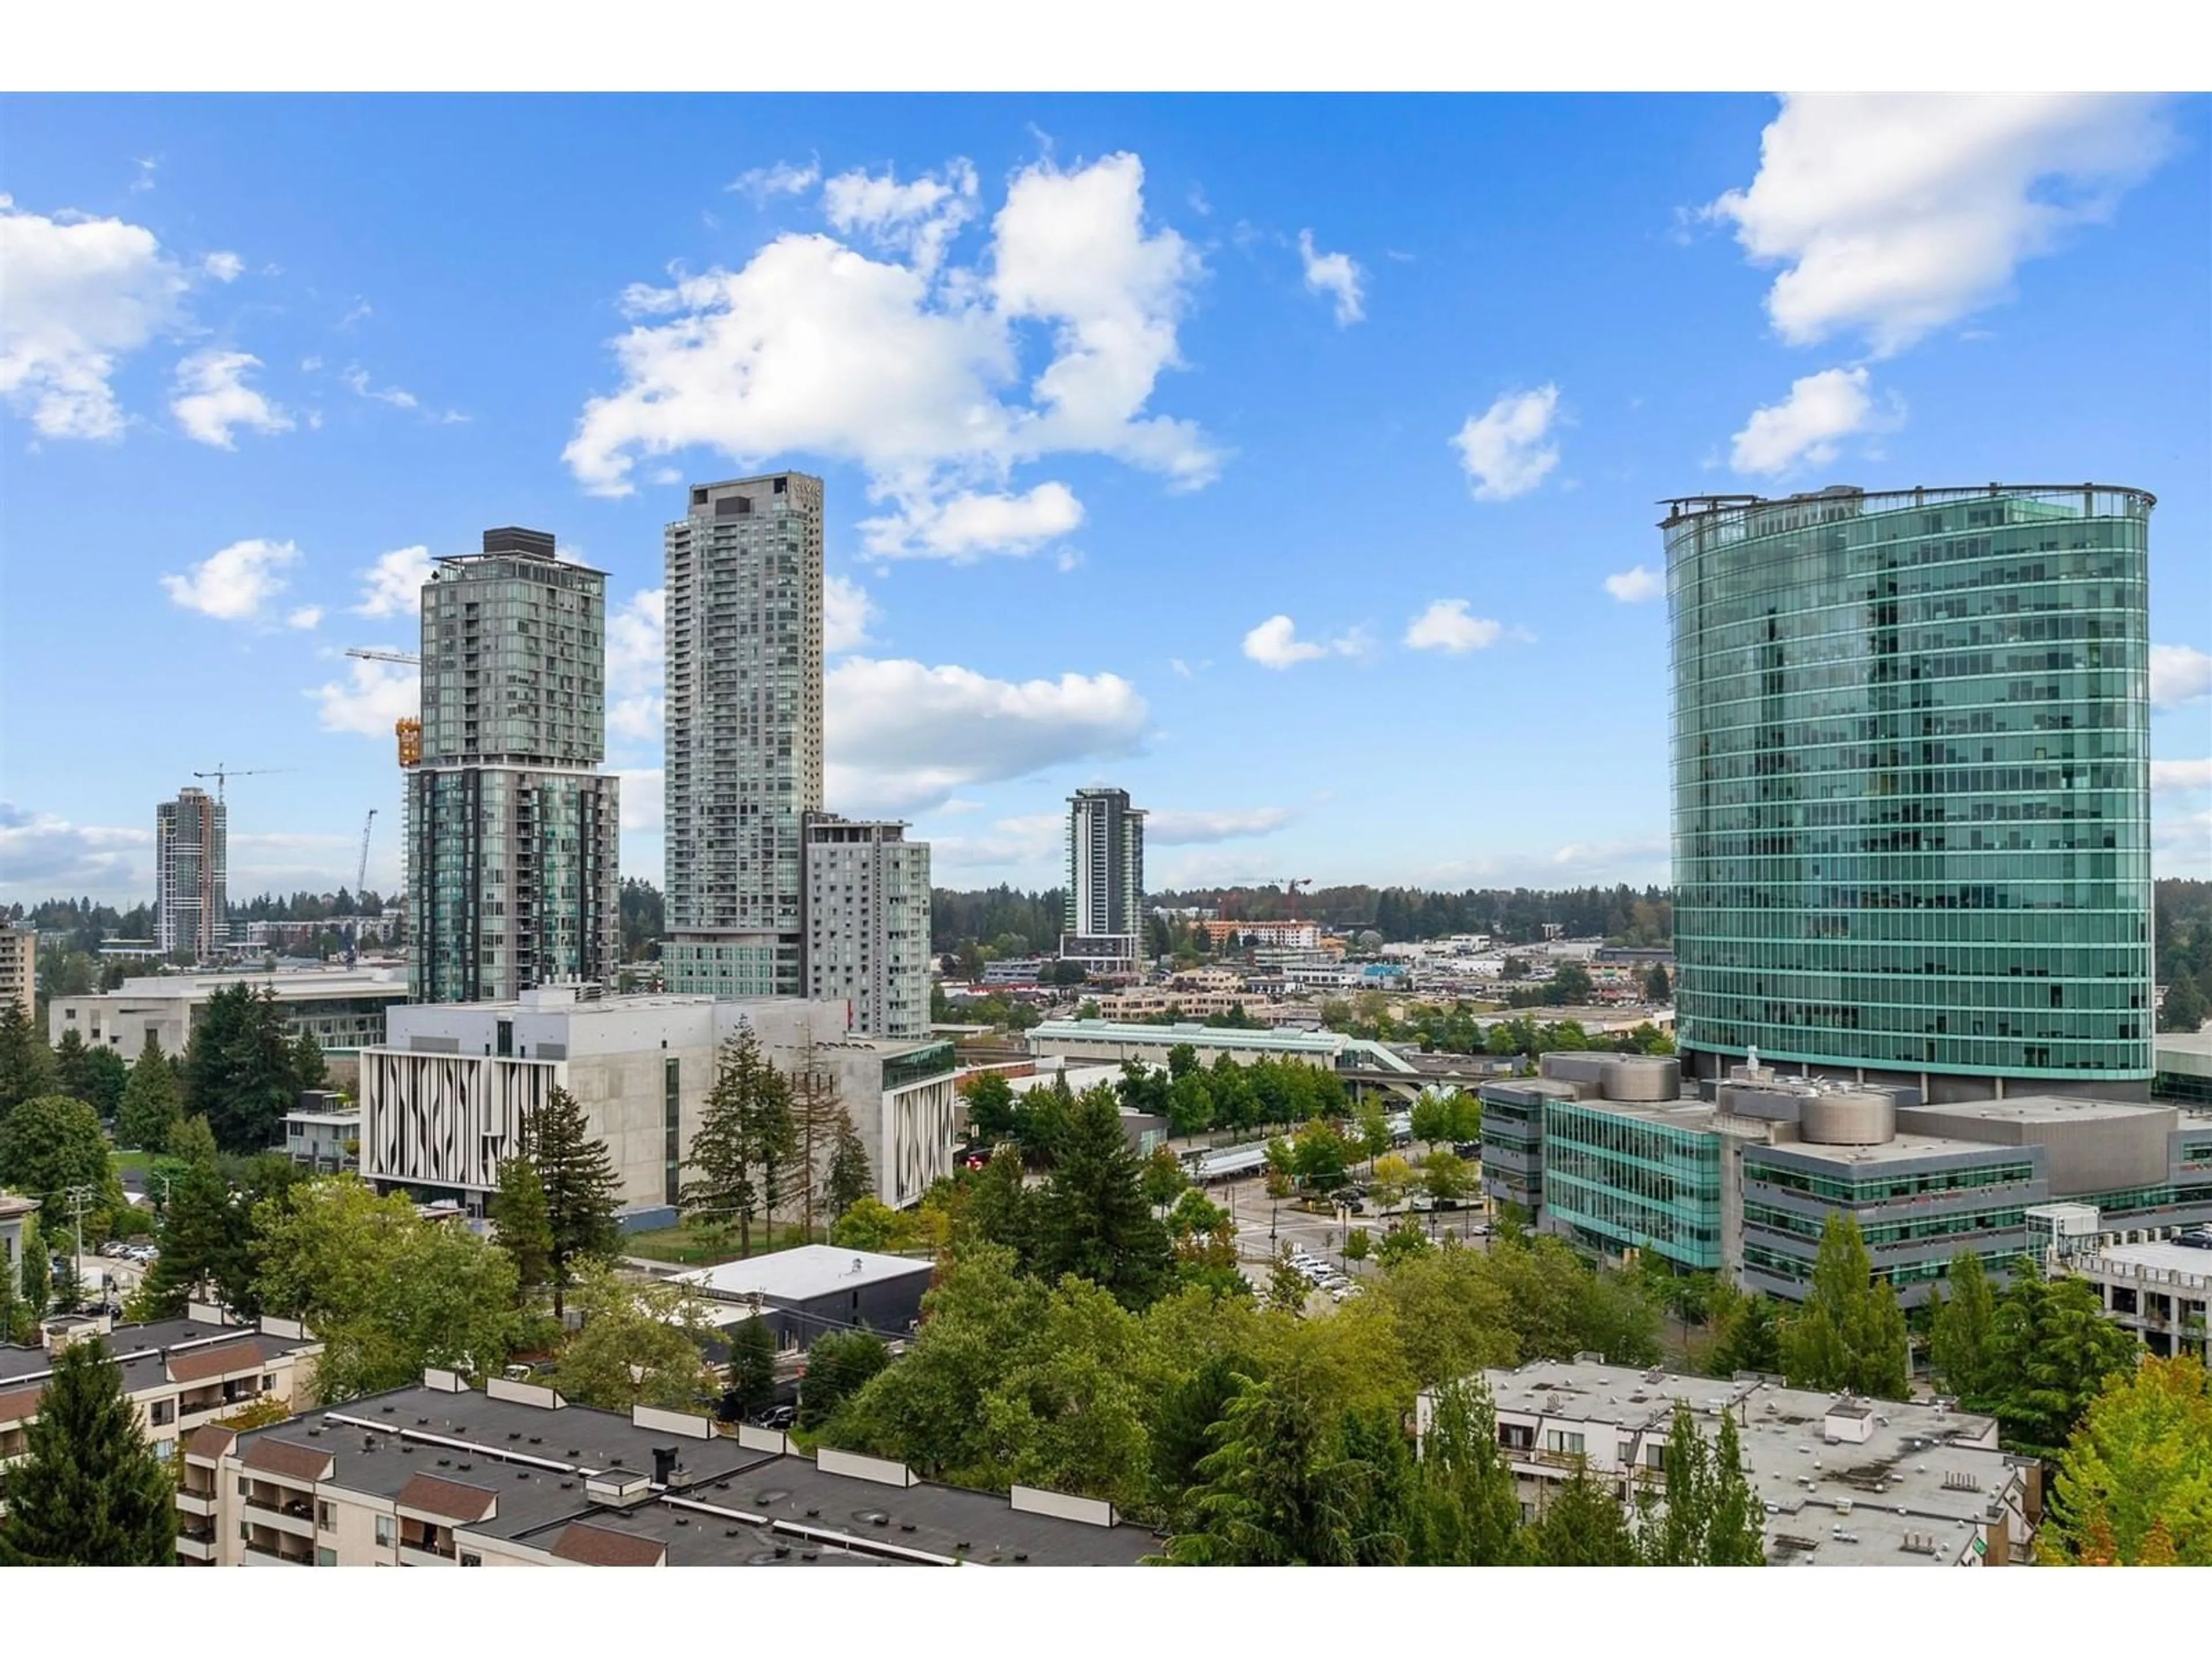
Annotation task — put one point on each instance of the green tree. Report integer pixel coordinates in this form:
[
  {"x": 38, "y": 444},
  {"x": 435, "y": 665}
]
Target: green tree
[
  {"x": 850, "y": 1179},
  {"x": 1320, "y": 1155},
  {"x": 1570, "y": 985},
  {"x": 1581, "y": 1525},
  {"x": 153, "y": 1103},
  {"x": 1357, "y": 1245},
  {"x": 868, "y": 1224},
  {"x": 387, "y": 1293},
  {"x": 1001, "y": 1210},
  {"x": 1735, "y": 1534},
  {"x": 1374, "y": 1130},
  {"x": 1657, "y": 987},
  {"x": 308, "y": 1070},
  {"x": 1164, "y": 1178},
  {"x": 1748, "y": 1336},
  {"x": 581, "y": 1190},
  {"x": 1093, "y": 1220},
  {"x": 1675, "y": 1535},
  {"x": 525, "y": 1229},
  {"x": 1962, "y": 1330},
  {"x": 2055, "y": 1352},
  {"x": 990, "y": 1107},
  {"x": 1403, "y": 1241},
  {"x": 1287, "y": 1288},
  {"x": 636, "y": 1344},
  {"x": 1468, "y": 1506},
  {"x": 207, "y": 1237},
  {"x": 89, "y": 1492},
  {"x": 1850, "y": 1332},
  {"x": 94, "y": 1075},
  {"x": 1431, "y": 1119},
  {"x": 1189, "y": 1103},
  {"x": 35, "y": 1272},
  {"x": 1277, "y": 1490},
  {"x": 726, "y": 1150},
  {"x": 239, "y": 1068},
  {"x": 838, "y": 1366},
  {"x": 27, "y": 1064},
  {"x": 1447, "y": 1176},
  {"x": 1454, "y": 1316},
  {"x": 2184, "y": 1008},
  {"x": 52, "y": 1143},
  {"x": 1183, "y": 1429},
  {"x": 2137, "y": 1475}
]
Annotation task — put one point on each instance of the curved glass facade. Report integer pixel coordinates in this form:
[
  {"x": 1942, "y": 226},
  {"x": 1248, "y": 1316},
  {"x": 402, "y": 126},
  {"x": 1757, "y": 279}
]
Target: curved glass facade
[{"x": 1911, "y": 796}]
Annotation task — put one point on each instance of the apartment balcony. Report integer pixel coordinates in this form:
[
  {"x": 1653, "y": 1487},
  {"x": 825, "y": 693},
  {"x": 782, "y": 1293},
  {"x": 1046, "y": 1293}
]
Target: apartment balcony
[
  {"x": 193, "y": 1410},
  {"x": 194, "y": 1503},
  {"x": 296, "y": 1516},
  {"x": 195, "y": 1550},
  {"x": 260, "y": 1553},
  {"x": 412, "y": 1555}
]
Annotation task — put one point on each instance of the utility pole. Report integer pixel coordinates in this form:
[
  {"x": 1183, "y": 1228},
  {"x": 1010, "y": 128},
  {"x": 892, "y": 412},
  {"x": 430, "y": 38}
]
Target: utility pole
[{"x": 78, "y": 1198}]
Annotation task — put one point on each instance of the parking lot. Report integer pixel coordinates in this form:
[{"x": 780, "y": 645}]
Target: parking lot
[{"x": 1265, "y": 1225}]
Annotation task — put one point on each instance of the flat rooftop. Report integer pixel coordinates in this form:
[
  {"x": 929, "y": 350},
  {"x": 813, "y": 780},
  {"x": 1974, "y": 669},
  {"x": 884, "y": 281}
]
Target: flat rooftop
[
  {"x": 1925, "y": 1472},
  {"x": 1903, "y": 1149},
  {"x": 2043, "y": 1108},
  {"x": 2158, "y": 1258},
  {"x": 804, "y": 1273}
]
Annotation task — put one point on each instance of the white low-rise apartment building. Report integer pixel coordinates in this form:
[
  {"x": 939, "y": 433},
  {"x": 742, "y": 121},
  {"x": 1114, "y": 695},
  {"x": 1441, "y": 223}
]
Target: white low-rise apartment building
[{"x": 1844, "y": 1481}]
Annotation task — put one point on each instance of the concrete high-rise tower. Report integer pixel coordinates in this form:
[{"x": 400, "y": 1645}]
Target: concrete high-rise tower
[
  {"x": 867, "y": 923},
  {"x": 191, "y": 866},
  {"x": 743, "y": 739},
  {"x": 1912, "y": 787},
  {"x": 1105, "y": 914},
  {"x": 514, "y": 835}
]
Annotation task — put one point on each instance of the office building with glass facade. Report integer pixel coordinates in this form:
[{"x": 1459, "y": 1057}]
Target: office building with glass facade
[
  {"x": 743, "y": 732},
  {"x": 1911, "y": 786},
  {"x": 513, "y": 832}
]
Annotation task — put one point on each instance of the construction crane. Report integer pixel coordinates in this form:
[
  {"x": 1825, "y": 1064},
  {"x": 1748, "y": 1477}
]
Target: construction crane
[
  {"x": 359, "y": 880},
  {"x": 408, "y": 730},
  {"x": 222, "y": 772},
  {"x": 1290, "y": 885}
]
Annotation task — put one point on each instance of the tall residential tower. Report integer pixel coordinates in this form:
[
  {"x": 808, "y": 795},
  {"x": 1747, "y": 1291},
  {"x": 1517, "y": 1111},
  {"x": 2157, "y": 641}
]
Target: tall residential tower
[
  {"x": 190, "y": 869},
  {"x": 866, "y": 910},
  {"x": 744, "y": 739},
  {"x": 1912, "y": 787},
  {"x": 1105, "y": 880},
  {"x": 513, "y": 832}
]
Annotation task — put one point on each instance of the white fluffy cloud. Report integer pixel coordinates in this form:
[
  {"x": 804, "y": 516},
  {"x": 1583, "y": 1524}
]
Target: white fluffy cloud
[
  {"x": 1334, "y": 274},
  {"x": 80, "y": 294},
  {"x": 223, "y": 267},
  {"x": 1804, "y": 427},
  {"x": 902, "y": 736},
  {"x": 392, "y": 586},
  {"x": 236, "y": 583},
  {"x": 1897, "y": 212},
  {"x": 913, "y": 371},
  {"x": 1169, "y": 828},
  {"x": 967, "y": 526},
  {"x": 1445, "y": 626},
  {"x": 307, "y": 615},
  {"x": 847, "y": 614},
  {"x": 372, "y": 696},
  {"x": 41, "y": 854},
  {"x": 637, "y": 661},
  {"x": 1636, "y": 585},
  {"x": 1504, "y": 450},
  {"x": 2179, "y": 674},
  {"x": 784, "y": 179},
  {"x": 1275, "y": 644},
  {"x": 2179, "y": 776},
  {"x": 917, "y": 219},
  {"x": 212, "y": 396}
]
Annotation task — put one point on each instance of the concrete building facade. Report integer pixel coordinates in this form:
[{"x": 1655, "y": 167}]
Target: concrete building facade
[
  {"x": 192, "y": 864},
  {"x": 514, "y": 835},
  {"x": 1105, "y": 919},
  {"x": 1911, "y": 786},
  {"x": 18, "y": 968},
  {"x": 743, "y": 732},
  {"x": 866, "y": 923},
  {"x": 343, "y": 1008},
  {"x": 447, "y": 1097}
]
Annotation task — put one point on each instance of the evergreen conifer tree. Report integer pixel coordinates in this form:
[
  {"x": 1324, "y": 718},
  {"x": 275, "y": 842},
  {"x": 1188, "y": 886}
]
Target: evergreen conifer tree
[
  {"x": 89, "y": 1493},
  {"x": 27, "y": 1064},
  {"x": 525, "y": 1228},
  {"x": 577, "y": 1175},
  {"x": 153, "y": 1103},
  {"x": 1094, "y": 1220}
]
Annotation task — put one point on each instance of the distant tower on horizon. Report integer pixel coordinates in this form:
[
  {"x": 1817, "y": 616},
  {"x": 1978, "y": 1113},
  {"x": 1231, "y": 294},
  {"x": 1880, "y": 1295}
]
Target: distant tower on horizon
[
  {"x": 1911, "y": 801},
  {"x": 1105, "y": 906},
  {"x": 743, "y": 752},
  {"x": 190, "y": 869},
  {"x": 514, "y": 835}
]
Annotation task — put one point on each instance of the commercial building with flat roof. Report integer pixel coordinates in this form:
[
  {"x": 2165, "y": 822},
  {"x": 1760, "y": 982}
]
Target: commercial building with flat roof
[
  {"x": 1844, "y": 1482},
  {"x": 445, "y": 1099},
  {"x": 819, "y": 1288},
  {"x": 439, "y": 1475},
  {"x": 2184, "y": 1063},
  {"x": 1912, "y": 795},
  {"x": 1110, "y": 1040},
  {"x": 341, "y": 1008},
  {"x": 2161, "y": 1292}
]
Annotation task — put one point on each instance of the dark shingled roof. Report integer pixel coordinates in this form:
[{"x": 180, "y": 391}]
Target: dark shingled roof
[
  {"x": 595, "y": 1546},
  {"x": 210, "y": 1442},
  {"x": 21, "y": 1403},
  {"x": 202, "y": 1364},
  {"x": 283, "y": 1457},
  {"x": 449, "y": 1500}
]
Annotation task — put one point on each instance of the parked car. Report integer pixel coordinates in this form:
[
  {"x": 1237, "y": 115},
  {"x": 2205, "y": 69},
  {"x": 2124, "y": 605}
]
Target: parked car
[
  {"x": 114, "y": 1247},
  {"x": 2199, "y": 1239},
  {"x": 776, "y": 1417}
]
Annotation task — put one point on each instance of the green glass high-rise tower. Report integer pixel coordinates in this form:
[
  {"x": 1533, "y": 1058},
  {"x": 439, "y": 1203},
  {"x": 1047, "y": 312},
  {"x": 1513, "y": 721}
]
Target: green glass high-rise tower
[{"x": 1912, "y": 803}]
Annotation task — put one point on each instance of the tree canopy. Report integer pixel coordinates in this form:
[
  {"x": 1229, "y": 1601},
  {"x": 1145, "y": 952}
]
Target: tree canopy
[{"x": 89, "y": 1492}]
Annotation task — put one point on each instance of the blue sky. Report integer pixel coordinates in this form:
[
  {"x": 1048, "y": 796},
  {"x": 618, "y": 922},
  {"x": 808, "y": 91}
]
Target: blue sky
[{"x": 1104, "y": 389}]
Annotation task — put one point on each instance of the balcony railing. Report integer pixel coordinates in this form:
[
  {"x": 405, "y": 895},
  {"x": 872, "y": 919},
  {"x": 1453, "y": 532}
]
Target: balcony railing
[{"x": 264, "y": 1554}]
